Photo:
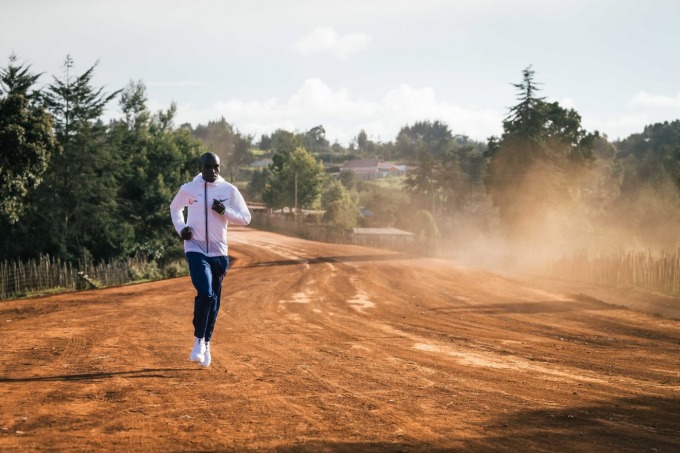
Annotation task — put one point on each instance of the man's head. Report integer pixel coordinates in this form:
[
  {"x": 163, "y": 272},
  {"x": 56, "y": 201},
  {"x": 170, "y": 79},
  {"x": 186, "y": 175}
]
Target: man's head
[{"x": 209, "y": 165}]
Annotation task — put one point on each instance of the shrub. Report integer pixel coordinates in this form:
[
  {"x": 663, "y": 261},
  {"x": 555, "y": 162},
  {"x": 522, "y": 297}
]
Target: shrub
[
  {"x": 177, "y": 268},
  {"x": 145, "y": 271}
]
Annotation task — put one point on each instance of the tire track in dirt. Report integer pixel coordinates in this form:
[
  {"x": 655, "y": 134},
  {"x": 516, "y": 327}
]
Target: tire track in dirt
[
  {"x": 470, "y": 350},
  {"x": 309, "y": 296},
  {"x": 322, "y": 347}
]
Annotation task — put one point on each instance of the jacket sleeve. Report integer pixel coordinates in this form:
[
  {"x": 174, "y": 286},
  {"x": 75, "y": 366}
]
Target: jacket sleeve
[
  {"x": 177, "y": 206},
  {"x": 237, "y": 212}
]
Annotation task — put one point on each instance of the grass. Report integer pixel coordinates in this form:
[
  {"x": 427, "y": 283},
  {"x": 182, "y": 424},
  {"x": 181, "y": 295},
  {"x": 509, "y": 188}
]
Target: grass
[
  {"x": 41, "y": 293},
  {"x": 392, "y": 182}
]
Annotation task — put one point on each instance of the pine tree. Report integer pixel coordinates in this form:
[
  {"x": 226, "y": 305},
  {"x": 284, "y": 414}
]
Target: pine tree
[
  {"x": 27, "y": 141},
  {"x": 539, "y": 159},
  {"x": 79, "y": 204}
]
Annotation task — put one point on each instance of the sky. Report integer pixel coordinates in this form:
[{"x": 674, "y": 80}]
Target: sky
[{"x": 372, "y": 65}]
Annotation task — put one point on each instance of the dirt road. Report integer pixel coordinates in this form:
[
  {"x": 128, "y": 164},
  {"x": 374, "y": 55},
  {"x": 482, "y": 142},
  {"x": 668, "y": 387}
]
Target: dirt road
[{"x": 321, "y": 347}]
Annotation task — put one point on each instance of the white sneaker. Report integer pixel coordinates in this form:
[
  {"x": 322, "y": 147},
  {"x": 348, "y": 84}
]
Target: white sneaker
[
  {"x": 198, "y": 353},
  {"x": 205, "y": 363}
]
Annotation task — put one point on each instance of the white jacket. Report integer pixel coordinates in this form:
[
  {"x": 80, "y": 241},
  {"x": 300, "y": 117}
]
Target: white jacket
[{"x": 208, "y": 228}]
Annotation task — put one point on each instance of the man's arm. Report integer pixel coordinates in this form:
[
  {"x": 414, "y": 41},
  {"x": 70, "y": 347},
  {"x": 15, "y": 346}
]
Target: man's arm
[
  {"x": 237, "y": 212},
  {"x": 177, "y": 215}
]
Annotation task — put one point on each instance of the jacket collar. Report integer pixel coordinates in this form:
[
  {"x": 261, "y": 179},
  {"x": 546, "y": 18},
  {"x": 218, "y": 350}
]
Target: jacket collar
[{"x": 199, "y": 177}]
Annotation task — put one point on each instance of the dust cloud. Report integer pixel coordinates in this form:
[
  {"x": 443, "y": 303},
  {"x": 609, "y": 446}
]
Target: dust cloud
[{"x": 549, "y": 223}]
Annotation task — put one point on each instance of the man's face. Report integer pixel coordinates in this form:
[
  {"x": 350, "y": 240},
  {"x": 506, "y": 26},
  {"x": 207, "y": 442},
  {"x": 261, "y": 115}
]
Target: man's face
[{"x": 210, "y": 168}]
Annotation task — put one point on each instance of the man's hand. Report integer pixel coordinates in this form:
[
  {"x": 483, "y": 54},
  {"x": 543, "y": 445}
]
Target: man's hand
[
  {"x": 185, "y": 233},
  {"x": 218, "y": 206}
]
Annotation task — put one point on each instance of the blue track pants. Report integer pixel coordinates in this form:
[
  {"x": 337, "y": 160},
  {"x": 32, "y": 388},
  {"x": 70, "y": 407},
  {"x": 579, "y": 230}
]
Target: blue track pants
[{"x": 207, "y": 273}]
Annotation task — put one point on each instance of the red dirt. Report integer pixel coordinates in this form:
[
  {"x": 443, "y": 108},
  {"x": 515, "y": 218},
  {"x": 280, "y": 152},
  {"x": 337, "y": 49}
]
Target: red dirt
[{"x": 322, "y": 347}]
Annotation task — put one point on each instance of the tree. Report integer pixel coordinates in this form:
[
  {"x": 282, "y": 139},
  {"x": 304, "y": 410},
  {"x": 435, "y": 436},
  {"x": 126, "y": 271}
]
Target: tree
[
  {"x": 174, "y": 155},
  {"x": 232, "y": 147},
  {"x": 304, "y": 175},
  {"x": 314, "y": 140},
  {"x": 347, "y": 179},
  {"x": 368, "y": 149},
  {"x": 362, "y": 141},
  {"x": 74, "y": 102},
  {"x": 527, "y": 118},
  {"x": 341, "y": 210},
  {"x": 284, "y": 143},
  {"x": 17, "y": 79},
  {"x": 435, "y": 137},
  {"x": 422, "y": 181},
  {"x": 384, "y": 207},
  {"x": 266, "y": 142},
  {"x": 242, "y": 153},
  {"x": 258, "y": 184},
  {"x": 155, "y": 160},
  {"x": 219, "y": 137},
  {"x": 27, "y": 140},
  {"x": 133, "y": 105},
  {"x": 275, "y": 194},
  {"x": 448, "y": 169},
  {"x": 79, "y": 203},
  {"x": 297, "y": 182},
  {"x": 452, "y": 183},
  {"x": 653, "y": 155},
  {"x": 539, "y": 160}
]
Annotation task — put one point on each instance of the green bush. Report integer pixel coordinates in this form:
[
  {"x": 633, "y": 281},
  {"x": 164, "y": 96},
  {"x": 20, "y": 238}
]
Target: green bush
[
  {"x": 177, "y": 268},
  {"x": 145, "y": 271}
]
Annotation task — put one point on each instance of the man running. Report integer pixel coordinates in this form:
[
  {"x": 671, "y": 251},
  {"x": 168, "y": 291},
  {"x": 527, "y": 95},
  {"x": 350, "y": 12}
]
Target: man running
[{"x": 212, "y": 203}]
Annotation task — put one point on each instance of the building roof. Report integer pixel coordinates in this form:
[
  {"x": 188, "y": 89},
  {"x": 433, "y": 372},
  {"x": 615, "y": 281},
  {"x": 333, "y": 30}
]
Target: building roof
[
  {"x": 386, "y": 165},
  {"x": 261, "y": 163},
  {"x": 367, "y": 163},
  {"x": 389, "y": 231}
]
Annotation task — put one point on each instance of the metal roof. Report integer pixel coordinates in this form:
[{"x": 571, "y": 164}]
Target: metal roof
[{"x": 382, "y": 231}]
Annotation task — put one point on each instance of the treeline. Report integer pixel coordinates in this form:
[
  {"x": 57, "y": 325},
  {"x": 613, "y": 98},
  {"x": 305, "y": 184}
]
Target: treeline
[
  {"x": 78, "y": 189},
  {"x": 81, "y": 190},
  {"x": 546, "y": 185}
]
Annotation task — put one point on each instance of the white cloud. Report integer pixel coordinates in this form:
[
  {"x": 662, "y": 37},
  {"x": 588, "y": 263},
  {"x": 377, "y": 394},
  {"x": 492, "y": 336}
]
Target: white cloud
[
  {"x": 408, "y": 105},
  {"x": 316, "y": 96},
  {"x": 621, "y": 127},
  {"x": 642, "y": 110},
  {"x": 327, "y": 40},
  {"x": 654, "y": 100},
  {"x": 344, "y": 115}
]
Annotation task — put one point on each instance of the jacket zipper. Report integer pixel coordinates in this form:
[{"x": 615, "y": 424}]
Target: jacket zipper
[{"x": 205, "y": 199}]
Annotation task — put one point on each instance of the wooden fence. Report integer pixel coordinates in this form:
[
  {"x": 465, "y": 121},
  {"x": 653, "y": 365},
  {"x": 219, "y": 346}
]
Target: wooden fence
[
  {"x": 659, "y": 272},
  {"x": 641, "y": 269},
  {"x": 47, "y": 274}
]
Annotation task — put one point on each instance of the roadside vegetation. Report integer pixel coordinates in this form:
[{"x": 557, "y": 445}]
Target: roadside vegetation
[{"x": 83, "y": 191}]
